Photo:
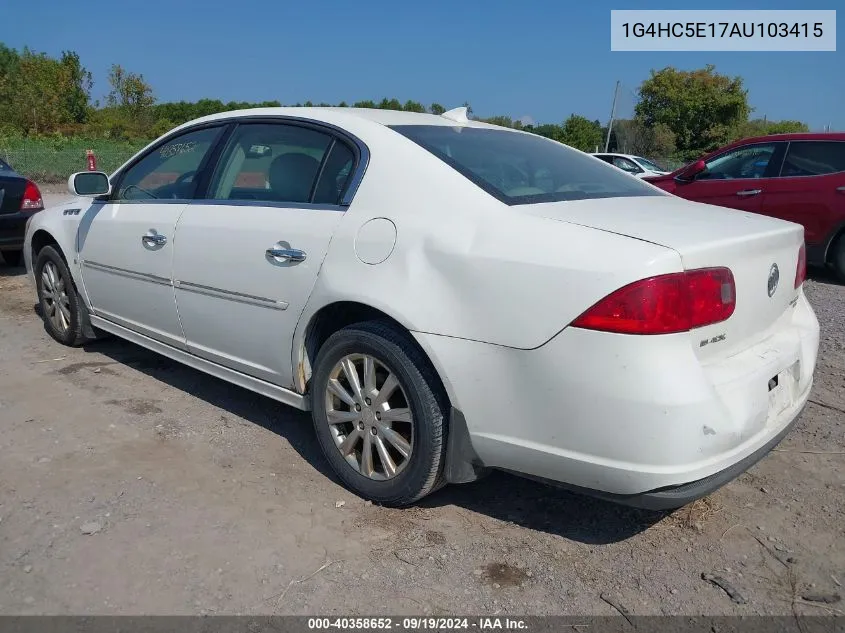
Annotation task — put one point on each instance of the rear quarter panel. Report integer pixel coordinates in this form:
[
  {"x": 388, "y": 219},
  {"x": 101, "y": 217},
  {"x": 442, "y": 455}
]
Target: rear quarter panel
[{"x": 464, "y": 264}]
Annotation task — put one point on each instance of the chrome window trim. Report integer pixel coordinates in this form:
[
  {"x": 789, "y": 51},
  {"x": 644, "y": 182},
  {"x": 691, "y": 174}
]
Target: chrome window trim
[
  {"x": 336, "y": 131},
  {"x": 308, "y": 206}
]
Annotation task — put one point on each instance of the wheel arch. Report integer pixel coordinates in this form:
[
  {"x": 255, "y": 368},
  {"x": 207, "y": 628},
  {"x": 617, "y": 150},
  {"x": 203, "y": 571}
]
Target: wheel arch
[
  {"x": 462, "y": 464},
  {"x": 320, "y": 323},
  {"x": 836, "y": 235},
  {"x": 40, "y": 239}
]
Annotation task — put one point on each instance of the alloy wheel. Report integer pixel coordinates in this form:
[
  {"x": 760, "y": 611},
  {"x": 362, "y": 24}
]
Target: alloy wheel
[
  {"x": 369, "y": 416},
  {"x": 54, "y": 297}
]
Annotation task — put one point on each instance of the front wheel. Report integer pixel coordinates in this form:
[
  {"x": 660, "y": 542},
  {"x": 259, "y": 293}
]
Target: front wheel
[
  {"x": 65, "y": 318},
  {"x": 379, "y": 413}
]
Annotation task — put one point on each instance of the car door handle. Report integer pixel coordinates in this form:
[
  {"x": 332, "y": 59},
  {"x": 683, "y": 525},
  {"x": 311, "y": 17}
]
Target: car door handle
[
  {"x": 153, "y": 239},
  {"x": 749, "y": 192},
  {"x": 841, "y": 189},
  {"x": 286, "y": 254}
]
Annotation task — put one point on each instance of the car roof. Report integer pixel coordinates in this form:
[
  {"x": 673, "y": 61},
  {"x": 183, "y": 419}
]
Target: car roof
[
  {"x": 796, "y": 136},
  {"x": 336, "y": 114}
]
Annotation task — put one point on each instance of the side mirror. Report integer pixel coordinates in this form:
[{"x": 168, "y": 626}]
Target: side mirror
[
  {"x": 691, "y": 171},
  {"x": 89, "y": 184}
]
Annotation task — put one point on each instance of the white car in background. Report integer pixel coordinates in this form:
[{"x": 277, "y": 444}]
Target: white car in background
[
  {"x": 445, "y": 297},
  {"x": 634, "y": 165}
]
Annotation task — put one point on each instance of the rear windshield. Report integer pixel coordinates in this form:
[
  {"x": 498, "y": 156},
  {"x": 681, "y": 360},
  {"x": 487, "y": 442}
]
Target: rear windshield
[
  {"x": 4, "y": 166},
  {"x": 522, "y": 168}
]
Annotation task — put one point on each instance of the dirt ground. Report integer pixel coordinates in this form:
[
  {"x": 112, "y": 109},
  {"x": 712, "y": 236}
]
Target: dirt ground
[{"x": 130, "y": 484}]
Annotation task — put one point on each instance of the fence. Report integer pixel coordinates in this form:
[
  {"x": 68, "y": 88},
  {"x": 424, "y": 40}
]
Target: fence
[{"x": 49, "y": 165}]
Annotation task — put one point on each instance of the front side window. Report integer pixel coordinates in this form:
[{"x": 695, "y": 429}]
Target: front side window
[
  {"x": 169, "y": 171},
  {"x": 813, "y": 158},
  {"x": 276, "y": 162},
  {"x": 750, "y": 161},
  {"x": 523, "y": 168}
]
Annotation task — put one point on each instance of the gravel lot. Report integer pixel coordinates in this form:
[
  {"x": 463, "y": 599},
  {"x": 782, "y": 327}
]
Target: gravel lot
[{"x": 130, "y": 484}]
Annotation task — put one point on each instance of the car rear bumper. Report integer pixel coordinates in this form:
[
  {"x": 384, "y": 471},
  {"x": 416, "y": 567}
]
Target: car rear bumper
[
  {"x": 676, "y": 496},
  {"x": 625, "y": 417},
  {"x": 12, "y": 229}
]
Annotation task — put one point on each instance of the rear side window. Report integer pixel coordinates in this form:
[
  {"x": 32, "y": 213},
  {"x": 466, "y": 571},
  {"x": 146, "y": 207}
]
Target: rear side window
[
  {"x": 4, "y": 166},
  {"x": 270, "y": 162},
  {"x": 813, "y": 158},
  {"x": 522, "y": 168}
]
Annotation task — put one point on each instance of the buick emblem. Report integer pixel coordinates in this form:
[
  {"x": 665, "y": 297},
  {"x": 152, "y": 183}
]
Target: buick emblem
[{"x": 774, "y": 278}]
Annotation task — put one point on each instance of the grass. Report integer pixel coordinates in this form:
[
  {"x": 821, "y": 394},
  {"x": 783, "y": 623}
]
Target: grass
[{"x": 53, "y": 159}]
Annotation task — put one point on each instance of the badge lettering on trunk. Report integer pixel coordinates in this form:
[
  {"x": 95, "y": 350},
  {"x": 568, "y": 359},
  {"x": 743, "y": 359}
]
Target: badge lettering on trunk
[
  {"x": 715, "y": 339},
  {"x": 774, "y": 278}
]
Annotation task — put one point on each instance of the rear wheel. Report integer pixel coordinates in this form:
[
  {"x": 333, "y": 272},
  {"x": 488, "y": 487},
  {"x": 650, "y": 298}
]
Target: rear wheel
[
  {"x": 379, "y": 413},
  {"x": 12, "y": 258},
  {"x": 65, "y": 318}
]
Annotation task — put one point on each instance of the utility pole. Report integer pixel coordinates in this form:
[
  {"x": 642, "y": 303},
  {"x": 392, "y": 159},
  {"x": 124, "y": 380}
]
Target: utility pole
[{"x": 612, "y": 114}]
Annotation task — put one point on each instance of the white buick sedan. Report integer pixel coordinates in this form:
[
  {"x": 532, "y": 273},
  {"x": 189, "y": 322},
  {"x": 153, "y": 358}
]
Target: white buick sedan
[{"x": 445, "y": 297}]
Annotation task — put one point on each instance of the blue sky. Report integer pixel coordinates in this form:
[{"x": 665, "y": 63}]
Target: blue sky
[{"x": 542, "y": 60}]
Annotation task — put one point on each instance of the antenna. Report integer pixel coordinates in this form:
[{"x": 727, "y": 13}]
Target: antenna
[
  {"x": 459, "y": 115},
  {"x": 612, "y": 114}
]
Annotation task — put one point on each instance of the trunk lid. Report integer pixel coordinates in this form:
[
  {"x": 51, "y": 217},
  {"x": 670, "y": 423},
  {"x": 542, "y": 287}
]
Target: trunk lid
[
  {"x": 761, "y": 252},
  {"x": 11, "y": 193}
]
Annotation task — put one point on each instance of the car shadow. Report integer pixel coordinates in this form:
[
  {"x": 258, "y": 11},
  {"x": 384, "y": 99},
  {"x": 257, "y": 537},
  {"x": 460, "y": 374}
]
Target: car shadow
[
  {"x": 10, "y": 271},
  {"x": 823, "y": 275},
  {"x": 500, "y": 495}
]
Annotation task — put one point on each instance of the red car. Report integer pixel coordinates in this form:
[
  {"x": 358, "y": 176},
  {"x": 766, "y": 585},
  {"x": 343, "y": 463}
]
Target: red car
[{"x": 795, "y": 177}]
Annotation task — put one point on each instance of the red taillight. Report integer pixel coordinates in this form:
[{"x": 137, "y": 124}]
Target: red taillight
[
  {"x": 801, "y": 270},
  {"x": 31, "y": 200},
  {"x": 676, "y": 302}
]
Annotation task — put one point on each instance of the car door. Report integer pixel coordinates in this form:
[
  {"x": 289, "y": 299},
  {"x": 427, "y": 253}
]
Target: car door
[
  {"x": 248, "y": 255},
  {"x": 811, "y": 189},
  {"x": 126, "y": 241},
  {"x": 736, "y": 178}
]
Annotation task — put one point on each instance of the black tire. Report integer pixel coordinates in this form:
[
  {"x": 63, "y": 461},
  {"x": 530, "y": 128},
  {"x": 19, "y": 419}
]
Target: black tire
[
  {"x": 12, "y": 258},
  {"x": 837, "y": 258},
  {"x": 74, "y": 334},
  {"x": 396, "y": 350}
]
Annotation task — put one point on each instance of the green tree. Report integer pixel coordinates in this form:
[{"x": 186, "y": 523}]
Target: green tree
[
  {"x": 413, "y": 106},
  {"x": 436, "y": 108},
  {"x": 389, "y": 104},
  {"x": 632, "y": 136},
  {"x": 74, "y": 88},
  {"x": 762, "y": 127},
  {"x": 549, "y": 130},
  {"x": 504, "y": 121},
  {"x": 702, "y": 108},
  {"x": 581, "y": 133},
  {"x": 129, "y": 92}
]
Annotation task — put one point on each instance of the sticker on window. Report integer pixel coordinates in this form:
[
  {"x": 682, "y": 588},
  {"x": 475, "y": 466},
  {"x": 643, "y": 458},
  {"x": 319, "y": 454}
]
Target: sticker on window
[{"x": 168, "y": 151}]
